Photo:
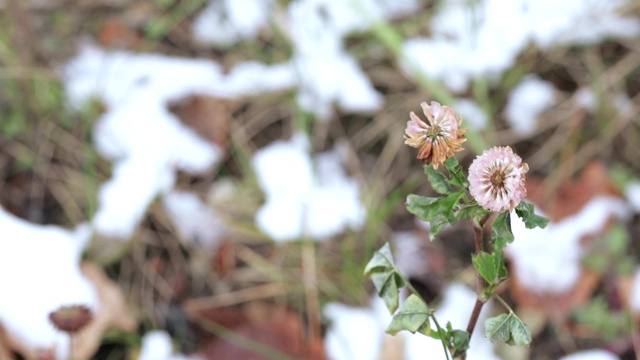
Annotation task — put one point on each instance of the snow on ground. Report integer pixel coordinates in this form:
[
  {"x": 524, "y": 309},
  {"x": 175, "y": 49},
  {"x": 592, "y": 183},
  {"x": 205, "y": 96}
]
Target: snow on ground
[
  {"x": 632, "y": 193},
  {"x": 325, "y": 72},
  {"x": 158, "y": 345},
  {"x": 472, "y": 114},
  {"x": 147, "y": 143},
  {"x": 39, "y": 272},
  {"x": 358, "y": 333},
  {"x": 558, "y": 245},
  {"x": 193, "y": 219},
  {"x": 305, "y": 197},
  {"x": 229, "y": 21},
  {"x": 483, "y": 38},
  {"x": 527, "y": 101},
  {"x": 634, "y": 299},
  {"x": 591, "y": 355}
]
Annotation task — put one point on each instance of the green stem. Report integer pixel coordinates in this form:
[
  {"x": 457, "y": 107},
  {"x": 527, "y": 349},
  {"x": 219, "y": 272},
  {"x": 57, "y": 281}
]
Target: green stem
[{"x": 504, "y": 303}]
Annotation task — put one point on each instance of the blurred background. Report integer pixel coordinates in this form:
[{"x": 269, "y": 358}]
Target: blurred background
[{"x": 210, "y": 178}]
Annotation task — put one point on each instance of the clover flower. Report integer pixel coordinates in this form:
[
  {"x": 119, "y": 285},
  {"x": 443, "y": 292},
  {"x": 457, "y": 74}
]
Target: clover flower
[
  {"x": 497, "y": 179},
  {"x": 440, "y": 138}
]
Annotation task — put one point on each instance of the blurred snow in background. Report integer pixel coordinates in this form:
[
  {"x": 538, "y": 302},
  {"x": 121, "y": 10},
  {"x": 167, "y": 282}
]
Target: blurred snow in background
[
  {"x": 549, "y": 260},
  {"x": 40, "y": 272},
  {"x": 468, "y": 40},
  {"x": 305, "y": 197},
  {"x": 471, "y": 39},
  {"x": 358, "y": 333}
]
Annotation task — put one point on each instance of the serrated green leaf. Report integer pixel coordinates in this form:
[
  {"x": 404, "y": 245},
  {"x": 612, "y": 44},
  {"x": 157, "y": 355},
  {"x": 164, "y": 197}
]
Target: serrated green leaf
[
  {"x": 382, "y": 260},
  {"x": 526, "y": 212},
  {"x": 501, "y": 234},
  {"x": 412, "y": 316},
  {"x": 385, "y": 277},
  {"x": 519, "y": 332},
  {"x": 471, "y": 211},
  {"x": 489, "y": 266},
  {"x": 387, "y": 283},
  {"x": 498, "y": 328},
  {"x": 438, "y": 212},
  {"x": 508, "y": 328},
  {"x": 457, "y": 175},
  {"x": 438, "y": 181}
]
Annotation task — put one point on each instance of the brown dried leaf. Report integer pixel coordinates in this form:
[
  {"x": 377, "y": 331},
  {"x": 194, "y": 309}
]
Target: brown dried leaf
[
  {"x": 271, "y": 325},
  {"x": 114, "y": 33},
  {"x": 207, "y": 115}
]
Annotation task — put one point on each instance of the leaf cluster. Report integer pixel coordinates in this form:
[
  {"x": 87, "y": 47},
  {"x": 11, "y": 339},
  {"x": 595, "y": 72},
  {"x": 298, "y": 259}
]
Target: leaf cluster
[
  {"x": 453, "y": 204},
  {"x": 414, "y": 315}
]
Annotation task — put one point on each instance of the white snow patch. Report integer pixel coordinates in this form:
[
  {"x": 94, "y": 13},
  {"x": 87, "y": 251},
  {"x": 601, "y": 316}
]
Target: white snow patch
[
  {"x": 483, "y": 38},
  {"x": 548, "y": 260},
  {"x": 591, "y": 355},
  {"x": 326, "y": 73},
  {"x": 39, "y": 272},
  {"x": 527, "y": 101},
  {"x": 193, "y": 219},
  {"x": 229, "y": 21},
  {"x": 632, "y": 193},
  {"x": 157, "y": 345},
  {"x": 305, "y": 198},
  {"x": 473, "y": 115},
  {"x": 635, "y": 292},
  {"x": 146, "y": 142},
  {"x": 356, "y": 333}
]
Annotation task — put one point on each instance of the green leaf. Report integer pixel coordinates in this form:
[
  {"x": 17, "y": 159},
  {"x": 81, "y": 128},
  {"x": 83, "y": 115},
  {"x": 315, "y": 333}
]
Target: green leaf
[
  {"x": 501, "y": 234},
  {"x": 508, "y": 328},
  {"x": 526, "y": 212},
  {"x": 438, "y": 181},
  {"x": 439, "y": 212},
  {"x": 520, "y": 332},
  {"x": 457, "y": 176},
  {"x": 498, "y": 328},
  {"x": 471, "y": 211},
  {"x": 460, "y": 342},
  {"x": 489, "y": 266},
  {"x": 413, "y": 316},
  {"x": 385, "y": 277}
]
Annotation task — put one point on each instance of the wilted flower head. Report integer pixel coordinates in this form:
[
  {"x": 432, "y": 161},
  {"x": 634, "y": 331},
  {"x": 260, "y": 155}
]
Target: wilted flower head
[
  {"x": 71, "y": 319},
  {"x": 439, "y": 139},
  {"x": 497, "y": 179}
]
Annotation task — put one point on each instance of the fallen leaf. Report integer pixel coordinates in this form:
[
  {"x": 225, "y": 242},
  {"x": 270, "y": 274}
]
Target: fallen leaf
[
  {"x": 207, "y": 115},
  {"x": 114, "y": 33},
  {"x": 273, "y": 326}
]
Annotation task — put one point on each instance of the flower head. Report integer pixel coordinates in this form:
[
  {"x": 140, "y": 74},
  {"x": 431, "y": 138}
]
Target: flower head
[
  {"x": 440, "y": 138},
  {"x": 497, "y": 179},
  {"x": 71, "y": 319}
]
